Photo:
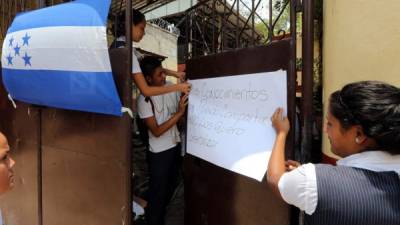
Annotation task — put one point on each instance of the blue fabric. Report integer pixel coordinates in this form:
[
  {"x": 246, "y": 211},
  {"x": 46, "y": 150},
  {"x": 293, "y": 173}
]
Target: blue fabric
[
  {"x": 64, "y": 89},
  {"x": 90, "y": 91},
  {"x": 76, "y": 13}
]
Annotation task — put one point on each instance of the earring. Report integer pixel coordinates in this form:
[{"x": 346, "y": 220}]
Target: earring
[{"x": 357, "y": 140}]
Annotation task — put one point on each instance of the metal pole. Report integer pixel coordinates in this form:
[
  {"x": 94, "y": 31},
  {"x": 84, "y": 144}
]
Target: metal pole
[
  {"x": 307, "y": 79},
  {"x": 41, "y": 3},
  {"x": 270, "y": 28},
  {"x": 290, "y": 150},
  {"x": 252, "y": 22},
  {"x": 291, "y": 80},
  {"x": 237, "y": 25},
  {"x": 40, "y": 170},
  {"x": 223, "y": 18},
  {"x": 213, "y": 29},
  {"x": 127, "y": 100},
  {"x": 191, "y": 42},
  {"x": 187, "y": 37}
]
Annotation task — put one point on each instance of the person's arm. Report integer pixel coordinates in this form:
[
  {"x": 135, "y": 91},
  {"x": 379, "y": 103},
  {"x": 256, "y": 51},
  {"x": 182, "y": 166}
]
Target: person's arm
[
  {"x": 147, "y": 90},
  {"x": 297, "y": 187},
  {"x": 158, "y": 130},
  {"x": 276, "y": 165},
  {"x": 180, "y": 75}
]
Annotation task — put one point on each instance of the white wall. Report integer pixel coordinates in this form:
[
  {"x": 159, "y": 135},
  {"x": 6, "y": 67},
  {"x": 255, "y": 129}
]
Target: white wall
[{"x": 171, "y": 8}]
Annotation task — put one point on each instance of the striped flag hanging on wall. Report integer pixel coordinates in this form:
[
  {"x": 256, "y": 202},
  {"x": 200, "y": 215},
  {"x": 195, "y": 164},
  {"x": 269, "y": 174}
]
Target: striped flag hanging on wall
[{"x": 58, "y": 57}]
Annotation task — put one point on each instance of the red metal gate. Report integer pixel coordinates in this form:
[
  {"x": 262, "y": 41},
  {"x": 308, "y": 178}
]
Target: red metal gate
[{"x": 214, "y": 195}]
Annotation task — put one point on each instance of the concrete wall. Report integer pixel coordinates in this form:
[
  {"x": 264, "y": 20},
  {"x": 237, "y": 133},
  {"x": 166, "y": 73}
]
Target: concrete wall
[
  {"x": 361, "y": 42},
  {"x": 171, "y": 8}
]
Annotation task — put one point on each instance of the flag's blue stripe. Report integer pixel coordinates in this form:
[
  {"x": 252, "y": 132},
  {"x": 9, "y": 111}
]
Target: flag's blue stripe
[
  {"x": 83, "y": 91},
  {"x": 76, "y": 13}
]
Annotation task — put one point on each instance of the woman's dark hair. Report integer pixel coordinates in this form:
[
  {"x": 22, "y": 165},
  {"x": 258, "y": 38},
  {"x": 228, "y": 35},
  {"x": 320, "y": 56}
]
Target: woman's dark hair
[
  {"x": 373, "y": 105},
  {"x": 119, "y": 24},
  {"x": 149, "y": 64}
]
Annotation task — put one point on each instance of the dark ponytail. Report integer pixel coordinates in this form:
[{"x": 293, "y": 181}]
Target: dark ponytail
[
  {"x": 373, "y": 105},
  {"x": 137, "y": 17}
]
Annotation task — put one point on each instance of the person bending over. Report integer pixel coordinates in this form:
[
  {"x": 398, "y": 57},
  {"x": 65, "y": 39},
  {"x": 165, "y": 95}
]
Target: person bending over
[
  {"x": 138, "y": 31},
  {"x": 160, "y": 114}
]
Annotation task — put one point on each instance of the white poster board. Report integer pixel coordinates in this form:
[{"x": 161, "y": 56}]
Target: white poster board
[{"x": 229, "y": 120}]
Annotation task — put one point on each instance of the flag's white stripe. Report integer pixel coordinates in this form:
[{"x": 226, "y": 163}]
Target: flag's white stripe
[{"x": 60, "y": 48}]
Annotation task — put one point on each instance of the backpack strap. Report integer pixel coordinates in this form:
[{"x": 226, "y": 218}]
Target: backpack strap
[
  {"x": 147, "y": 99},
  {"x": 143, "y": 129}
]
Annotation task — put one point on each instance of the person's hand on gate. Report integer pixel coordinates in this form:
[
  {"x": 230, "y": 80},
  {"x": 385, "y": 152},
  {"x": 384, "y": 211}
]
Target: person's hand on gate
[
  {"x": 280, "y": 122},
  {"x": 183, "y": 102},
  {"x": 181, "y": 76},
  {"x": 185, "y": 87}
]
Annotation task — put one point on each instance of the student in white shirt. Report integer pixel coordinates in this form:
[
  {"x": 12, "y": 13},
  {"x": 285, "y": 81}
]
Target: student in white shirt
[
  {"x": 160, "y": 114},
  {"x": 363, "y": 126},
  {"x": 138, "y": 31}
]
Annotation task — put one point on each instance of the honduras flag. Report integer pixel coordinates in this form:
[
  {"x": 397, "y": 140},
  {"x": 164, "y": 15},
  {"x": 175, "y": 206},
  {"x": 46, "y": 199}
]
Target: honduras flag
[{"x": 58, "y": 57}]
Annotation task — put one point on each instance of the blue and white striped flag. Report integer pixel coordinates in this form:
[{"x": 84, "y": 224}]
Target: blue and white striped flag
[{"x": 58, "y": 57}]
